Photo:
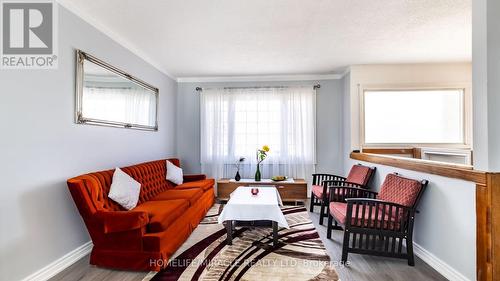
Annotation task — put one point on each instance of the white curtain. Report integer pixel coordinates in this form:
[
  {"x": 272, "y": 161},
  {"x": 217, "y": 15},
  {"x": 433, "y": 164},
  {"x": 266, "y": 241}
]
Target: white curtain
[
  {"x": 236, "y": 122},
  {"x": 127, "y": 105}
]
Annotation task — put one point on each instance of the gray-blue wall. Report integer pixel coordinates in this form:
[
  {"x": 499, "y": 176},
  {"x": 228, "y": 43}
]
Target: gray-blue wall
[
  {"x": 41, "y": 147},
  {"x": 328, "y": 122}
]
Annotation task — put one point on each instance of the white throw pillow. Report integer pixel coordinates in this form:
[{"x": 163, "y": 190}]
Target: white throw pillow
[
  {"x": 174, "y": 173},
  {"x": 124, "y": 189}
]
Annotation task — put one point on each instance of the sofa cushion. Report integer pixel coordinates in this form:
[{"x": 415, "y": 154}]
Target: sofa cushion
[
  {"x": 192, "y": 195},
  {"x": 163, "y": 213},
  {"x": 204, "y": 184}
]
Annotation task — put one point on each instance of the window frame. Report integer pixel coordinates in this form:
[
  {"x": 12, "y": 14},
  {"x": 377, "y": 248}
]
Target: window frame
[{"x": 467, "y": 113}]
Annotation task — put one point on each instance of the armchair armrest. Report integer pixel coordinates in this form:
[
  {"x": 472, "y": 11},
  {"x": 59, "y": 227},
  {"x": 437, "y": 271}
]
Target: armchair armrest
[
  {"x": 118, "y": 221},
  {"x": 318, "y": 179},
  {"x": 340, "y": 193},
  {"x": 375, "y": 201},
  {"x": 326, "y": 183},
  {"x": 198, "y": 177},
  {"x": 342, "y": 183}
]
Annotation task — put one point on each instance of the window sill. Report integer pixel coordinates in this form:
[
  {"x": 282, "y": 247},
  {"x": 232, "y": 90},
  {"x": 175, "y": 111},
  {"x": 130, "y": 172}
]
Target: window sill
[{"x": 431, "y": 167}]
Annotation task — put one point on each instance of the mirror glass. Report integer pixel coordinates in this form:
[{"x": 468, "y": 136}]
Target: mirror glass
[{"x": 108, "y": 96}]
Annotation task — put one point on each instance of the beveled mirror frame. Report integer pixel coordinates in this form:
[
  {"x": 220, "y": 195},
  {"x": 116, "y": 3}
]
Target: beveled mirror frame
[{"x": 81, "y": 57}]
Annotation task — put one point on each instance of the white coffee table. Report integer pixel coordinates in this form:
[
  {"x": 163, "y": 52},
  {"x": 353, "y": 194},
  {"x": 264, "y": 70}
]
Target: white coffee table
[{"x": 243, "y": 206}]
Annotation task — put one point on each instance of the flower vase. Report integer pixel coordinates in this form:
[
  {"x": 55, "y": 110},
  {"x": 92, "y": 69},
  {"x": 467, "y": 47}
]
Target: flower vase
[
  {"x": 237, "y": 177},
  {"x": 257, "y": 173}
]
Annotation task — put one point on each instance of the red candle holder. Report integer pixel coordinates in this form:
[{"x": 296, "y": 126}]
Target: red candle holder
[{"x": 254, "y": 191}]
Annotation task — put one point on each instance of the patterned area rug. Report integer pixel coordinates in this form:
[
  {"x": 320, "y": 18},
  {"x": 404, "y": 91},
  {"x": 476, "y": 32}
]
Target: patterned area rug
[{"x": 205, "y": 256}]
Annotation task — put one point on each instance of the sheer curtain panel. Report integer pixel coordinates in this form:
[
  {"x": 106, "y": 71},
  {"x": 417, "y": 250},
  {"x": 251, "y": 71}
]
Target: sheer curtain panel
[{"x": 235, "y": 122}]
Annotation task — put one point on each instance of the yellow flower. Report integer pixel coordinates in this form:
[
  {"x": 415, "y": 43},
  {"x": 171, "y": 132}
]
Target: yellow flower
[{"x": 265, "y": 148}]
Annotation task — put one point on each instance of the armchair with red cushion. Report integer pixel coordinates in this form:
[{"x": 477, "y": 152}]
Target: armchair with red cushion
[
  {"x": 377, "y": 223},
  {"x": 358, "y": 177}
]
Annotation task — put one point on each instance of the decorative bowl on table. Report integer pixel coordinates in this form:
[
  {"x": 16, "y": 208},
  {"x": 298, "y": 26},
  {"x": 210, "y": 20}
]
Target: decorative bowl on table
[
  {"x": 279, "y": 178},
  {"x": 254, "y": 191}
]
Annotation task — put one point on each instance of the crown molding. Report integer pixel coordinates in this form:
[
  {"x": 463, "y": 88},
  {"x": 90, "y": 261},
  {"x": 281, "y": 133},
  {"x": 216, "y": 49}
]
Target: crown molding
[
  {"x": 346, "y": 71},
  {"x": 268, "y": 78},
  {"x": 88, "y": 18}
]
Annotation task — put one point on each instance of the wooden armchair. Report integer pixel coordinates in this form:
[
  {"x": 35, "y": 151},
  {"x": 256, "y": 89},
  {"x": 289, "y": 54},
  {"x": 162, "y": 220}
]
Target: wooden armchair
[
  {"x": 358, "y": 177},
  {"x": 377, "y": 224}
]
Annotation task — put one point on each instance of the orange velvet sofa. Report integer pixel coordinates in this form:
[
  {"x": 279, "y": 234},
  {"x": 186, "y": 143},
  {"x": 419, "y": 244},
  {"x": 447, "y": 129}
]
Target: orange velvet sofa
[{"x": 145, "y": 237}]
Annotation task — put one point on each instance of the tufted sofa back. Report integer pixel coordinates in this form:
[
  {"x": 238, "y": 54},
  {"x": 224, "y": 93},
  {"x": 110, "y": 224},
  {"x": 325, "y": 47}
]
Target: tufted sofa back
[
  {"x": 92, "y": 189},
  {"x": 152, "y": 177}
]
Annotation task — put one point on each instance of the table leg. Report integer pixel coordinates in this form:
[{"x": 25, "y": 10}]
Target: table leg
[
  {"x": 275, "y": 234},
  {"x": 229, "y": 228}
]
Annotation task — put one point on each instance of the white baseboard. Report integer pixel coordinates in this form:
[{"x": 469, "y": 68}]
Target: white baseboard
[
  {"x": 60, "y": 264},
  {"x": 439, "y": 265},
  {"x": 70, "y": 258}
]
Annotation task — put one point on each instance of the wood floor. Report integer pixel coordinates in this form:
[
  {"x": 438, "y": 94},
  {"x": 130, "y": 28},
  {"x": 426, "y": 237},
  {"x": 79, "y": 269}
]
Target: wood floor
[{"x": 361, "y": 267}]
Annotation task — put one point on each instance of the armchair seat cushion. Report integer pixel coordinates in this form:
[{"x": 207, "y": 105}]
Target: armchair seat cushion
[
  {"x": 192, "y": 195},
  {"x": 318, "y": 191},
  {"x": 339, "y": 211},
  {"x": 162, "y": 213},
  {"x": 203, "y": 184}
]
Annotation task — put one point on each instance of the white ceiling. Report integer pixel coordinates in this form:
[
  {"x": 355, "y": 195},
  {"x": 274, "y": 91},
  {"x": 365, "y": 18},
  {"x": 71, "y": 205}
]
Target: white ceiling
[{"x": 198, "y": 38}]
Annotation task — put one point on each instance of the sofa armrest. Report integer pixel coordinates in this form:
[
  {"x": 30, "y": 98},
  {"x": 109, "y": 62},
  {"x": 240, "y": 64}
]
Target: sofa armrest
[
  {"x": 189, "y": 178},
  {"x": 118, "y": 221}
]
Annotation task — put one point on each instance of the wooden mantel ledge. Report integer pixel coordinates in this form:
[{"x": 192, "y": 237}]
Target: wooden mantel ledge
[
  {"x": 487, "y": 204},
  {"x": 442, "y": 169}
]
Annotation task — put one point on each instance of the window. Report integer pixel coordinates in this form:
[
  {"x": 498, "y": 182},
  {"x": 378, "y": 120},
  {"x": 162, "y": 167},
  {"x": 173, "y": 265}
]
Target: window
[
  {"x": 414, "y": 117},
  {"x": 257, "y": 122},
  {"x": 235, "y": 122}
]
